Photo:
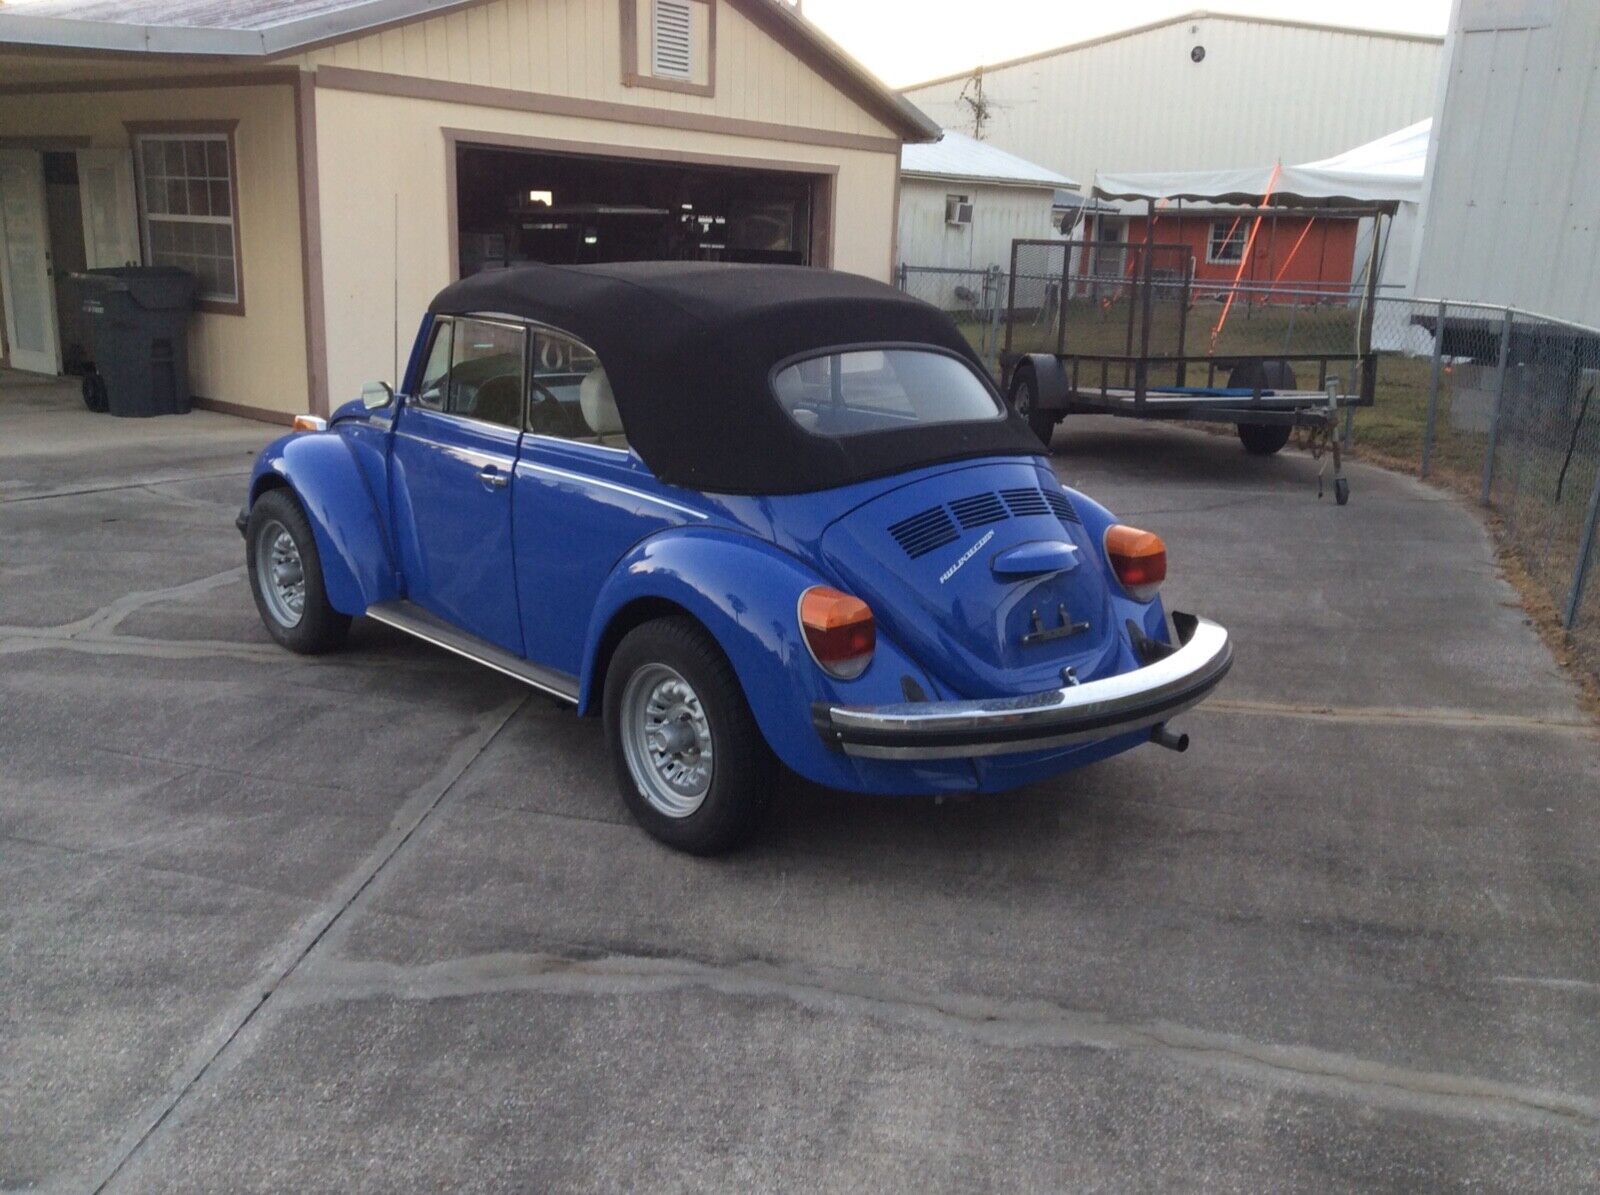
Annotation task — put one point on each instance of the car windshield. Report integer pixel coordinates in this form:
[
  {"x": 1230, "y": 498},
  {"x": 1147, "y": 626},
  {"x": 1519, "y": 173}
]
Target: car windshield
[{"x": 868, "y": 390}]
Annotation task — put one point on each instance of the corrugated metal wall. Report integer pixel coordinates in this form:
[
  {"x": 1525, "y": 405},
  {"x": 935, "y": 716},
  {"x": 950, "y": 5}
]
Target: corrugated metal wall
[
  {"x": 1513, "y": 209},
  {"x": 1263, "y": 92}
]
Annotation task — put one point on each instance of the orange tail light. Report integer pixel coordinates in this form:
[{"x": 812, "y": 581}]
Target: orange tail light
[
  {"x": 1139, "y": 560},
  {"x": 839, "y": 631}
]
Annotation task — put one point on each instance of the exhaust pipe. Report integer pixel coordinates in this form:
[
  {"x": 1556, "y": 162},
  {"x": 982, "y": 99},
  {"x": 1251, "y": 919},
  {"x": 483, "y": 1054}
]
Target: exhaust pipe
[{"x": 1162, "y": 737}]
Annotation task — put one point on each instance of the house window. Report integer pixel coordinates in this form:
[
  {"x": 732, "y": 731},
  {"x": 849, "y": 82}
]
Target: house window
[
  {"x": 188, "y": 204},
  {"x": 1225, "y": 245}
]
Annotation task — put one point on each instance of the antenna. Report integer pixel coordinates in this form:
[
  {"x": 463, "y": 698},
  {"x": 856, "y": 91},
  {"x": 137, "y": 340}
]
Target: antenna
[
  {"x": 976, "y": 102},
  {"x": 398, "y": 380}
]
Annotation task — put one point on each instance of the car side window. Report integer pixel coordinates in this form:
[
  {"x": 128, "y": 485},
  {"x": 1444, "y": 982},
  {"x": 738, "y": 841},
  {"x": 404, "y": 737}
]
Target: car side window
[
  {"x": 486, "y": 372},
  {"x": 571, "y": 395},
  {"x": 436, "y": 370}
]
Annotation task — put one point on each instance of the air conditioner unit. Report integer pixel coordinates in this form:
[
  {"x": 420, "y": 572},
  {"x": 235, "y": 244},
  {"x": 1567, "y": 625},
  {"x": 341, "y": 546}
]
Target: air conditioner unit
[{"x": 957, "y": 211}]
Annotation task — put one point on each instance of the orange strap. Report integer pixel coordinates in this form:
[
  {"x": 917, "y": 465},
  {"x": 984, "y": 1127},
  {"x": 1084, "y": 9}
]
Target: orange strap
[
  {"x": 1300, "y": 240},
  {"x": 1244, "y": 258}
]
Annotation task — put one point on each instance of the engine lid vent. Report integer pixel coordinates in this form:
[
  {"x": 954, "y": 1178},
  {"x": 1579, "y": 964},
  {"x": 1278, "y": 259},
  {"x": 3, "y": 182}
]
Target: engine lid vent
[
  {"x": 1022, "y": 502},
  {"x": 978, "y": 511},
  {"x": 1062, "y": 506},
  {"x": 923, "y": 532}
]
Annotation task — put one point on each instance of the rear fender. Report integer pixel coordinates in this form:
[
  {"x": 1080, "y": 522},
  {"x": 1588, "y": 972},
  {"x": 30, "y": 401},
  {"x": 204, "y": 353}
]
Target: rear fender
[
  {"x": 321, "y": 470},
  {"x": 745, "y": 592}
]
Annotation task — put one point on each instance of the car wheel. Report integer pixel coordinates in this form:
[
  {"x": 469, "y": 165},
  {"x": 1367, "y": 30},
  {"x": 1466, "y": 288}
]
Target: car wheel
[
  {"x": 1263, "y": 439},
  {"x": 690, "y": 761},
  {"x": 1025, "y": 399},
  {"x": 286, "y": 576},
  {"x": 94, "y": 393}
]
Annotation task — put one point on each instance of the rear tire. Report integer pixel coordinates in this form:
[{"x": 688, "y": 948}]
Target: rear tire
[
  {"x": 691, "y": 764},
  {"x": 1025, "y": 400},
  {"x": 286, "y": 576}
]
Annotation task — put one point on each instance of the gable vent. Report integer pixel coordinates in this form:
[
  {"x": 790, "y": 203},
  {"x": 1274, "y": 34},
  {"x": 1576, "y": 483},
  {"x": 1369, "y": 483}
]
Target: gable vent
[
  {"x": 669, "y": 41},
  {"x": 1062, "y": 506},
  {"x": 1025, "y": 502},
  {"x": 978, "y": 510},
  {"x": 922, "y": 533}
]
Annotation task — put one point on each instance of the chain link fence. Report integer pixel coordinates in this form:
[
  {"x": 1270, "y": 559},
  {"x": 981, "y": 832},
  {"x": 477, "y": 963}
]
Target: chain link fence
[{"x": 1498, "y": 404}]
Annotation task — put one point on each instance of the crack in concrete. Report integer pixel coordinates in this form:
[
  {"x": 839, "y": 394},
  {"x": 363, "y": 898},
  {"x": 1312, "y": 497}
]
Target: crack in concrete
[
  {"x": 1420, "y": 715},
  {"x": 77, "y": 491},
  {"x": 408, "y": 820},
  {"x": 1005, "y": 1025}
]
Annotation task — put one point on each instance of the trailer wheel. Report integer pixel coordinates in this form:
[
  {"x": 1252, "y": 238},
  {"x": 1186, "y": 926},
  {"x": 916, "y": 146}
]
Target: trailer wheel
[
  {"x": 1025, "y": 400},
  {"x": 1262, "y": 439}
]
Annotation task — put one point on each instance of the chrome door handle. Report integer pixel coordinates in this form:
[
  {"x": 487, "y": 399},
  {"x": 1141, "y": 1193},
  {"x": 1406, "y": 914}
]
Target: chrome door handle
[{"x": 491, "y": 476}]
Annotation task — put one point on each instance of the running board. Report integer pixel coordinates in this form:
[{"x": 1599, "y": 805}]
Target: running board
[{"x": 414, "y": 620}]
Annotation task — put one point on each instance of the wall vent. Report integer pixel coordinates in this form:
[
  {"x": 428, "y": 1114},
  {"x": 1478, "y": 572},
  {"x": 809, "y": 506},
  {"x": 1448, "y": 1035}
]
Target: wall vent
[{"x": 670, "y": 40}]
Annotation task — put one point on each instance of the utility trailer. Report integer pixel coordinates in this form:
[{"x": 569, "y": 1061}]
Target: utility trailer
[{"x": 1102, "y": 328}]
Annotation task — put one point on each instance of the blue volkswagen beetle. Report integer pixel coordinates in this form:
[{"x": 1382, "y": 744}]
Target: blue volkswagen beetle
[{"x": 745, "y": 514}]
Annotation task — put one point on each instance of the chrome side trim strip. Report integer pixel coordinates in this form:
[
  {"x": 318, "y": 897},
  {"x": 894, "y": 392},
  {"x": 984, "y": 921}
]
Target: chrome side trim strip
[
  {"x": 414, "y": 620},
  {"x": 585, "y": 479}
]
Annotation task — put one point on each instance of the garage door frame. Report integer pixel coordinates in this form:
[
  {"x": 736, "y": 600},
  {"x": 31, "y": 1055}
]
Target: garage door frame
[{"x": 824, "y": 176}]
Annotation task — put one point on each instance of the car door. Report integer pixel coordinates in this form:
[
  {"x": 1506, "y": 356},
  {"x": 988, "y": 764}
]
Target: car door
[
  {"x": 582, "y": 499},
  {"x": 455, "y": 447}
]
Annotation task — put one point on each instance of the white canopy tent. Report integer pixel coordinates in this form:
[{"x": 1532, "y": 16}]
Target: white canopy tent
[{"x": 1386, "y": 174}]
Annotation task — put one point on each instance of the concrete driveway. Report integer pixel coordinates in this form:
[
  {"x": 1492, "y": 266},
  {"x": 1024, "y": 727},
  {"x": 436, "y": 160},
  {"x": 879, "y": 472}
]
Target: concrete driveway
[{"x": 378, "y": 922}]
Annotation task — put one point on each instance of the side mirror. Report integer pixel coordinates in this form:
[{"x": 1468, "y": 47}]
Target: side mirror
[{"x": 376, "y": 395}]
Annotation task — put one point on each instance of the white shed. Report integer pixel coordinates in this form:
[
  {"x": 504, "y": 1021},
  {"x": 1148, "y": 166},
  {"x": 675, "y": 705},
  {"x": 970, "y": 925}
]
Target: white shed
[
  {"x": 962, "y": 203},
  {"x": 1510, "y": 210}
]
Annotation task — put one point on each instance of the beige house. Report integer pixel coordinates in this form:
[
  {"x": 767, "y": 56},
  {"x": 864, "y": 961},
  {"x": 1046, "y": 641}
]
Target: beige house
[{"x": 325, "y": 168}]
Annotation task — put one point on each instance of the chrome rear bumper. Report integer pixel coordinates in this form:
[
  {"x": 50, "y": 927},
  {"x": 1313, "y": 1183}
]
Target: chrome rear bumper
[{"x": 1100, "y": 709}]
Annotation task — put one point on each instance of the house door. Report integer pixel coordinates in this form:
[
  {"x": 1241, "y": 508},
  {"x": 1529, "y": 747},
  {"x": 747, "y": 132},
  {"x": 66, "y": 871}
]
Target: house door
[
  {"x": 27, "y": 284},
  {"x": 110, "y": 220}
]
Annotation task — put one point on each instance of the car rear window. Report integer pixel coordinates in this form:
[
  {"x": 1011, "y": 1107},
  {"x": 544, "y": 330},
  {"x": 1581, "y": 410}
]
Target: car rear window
[{"x": 853, "y": 391}]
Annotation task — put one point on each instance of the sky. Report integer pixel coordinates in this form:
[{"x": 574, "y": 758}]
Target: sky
[{"x": 907, "y": 41}]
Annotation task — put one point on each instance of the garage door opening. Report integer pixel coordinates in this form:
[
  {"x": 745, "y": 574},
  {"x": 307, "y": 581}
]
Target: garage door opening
[{"x": 515, "y": 206}]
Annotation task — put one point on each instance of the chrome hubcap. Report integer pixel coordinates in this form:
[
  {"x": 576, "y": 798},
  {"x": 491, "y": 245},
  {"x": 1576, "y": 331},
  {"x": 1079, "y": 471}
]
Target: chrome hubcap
[
  {"x": 280, "y": 575},
  {"x": 666, "y": 740}
]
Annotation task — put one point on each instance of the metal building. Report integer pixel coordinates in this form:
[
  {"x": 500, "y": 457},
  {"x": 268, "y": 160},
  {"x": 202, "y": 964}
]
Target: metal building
[
  {"x": 1198, "y": 92},
  {"x": 1511, "y": 215}
]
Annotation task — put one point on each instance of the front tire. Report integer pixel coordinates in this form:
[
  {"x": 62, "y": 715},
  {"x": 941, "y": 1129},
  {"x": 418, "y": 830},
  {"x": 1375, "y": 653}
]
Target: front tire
[
  {"x": 690, "y": 761},
  {"x": 286, "y": 576},
  {"x": 1025, "y": 399}
]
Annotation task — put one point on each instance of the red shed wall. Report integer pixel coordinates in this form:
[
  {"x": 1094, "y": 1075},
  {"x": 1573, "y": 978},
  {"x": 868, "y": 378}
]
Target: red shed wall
[{"x": 1324, "y": 260}]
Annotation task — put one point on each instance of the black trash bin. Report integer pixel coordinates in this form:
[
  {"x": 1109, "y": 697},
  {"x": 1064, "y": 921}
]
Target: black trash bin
[{"x": 137, "y": 318}]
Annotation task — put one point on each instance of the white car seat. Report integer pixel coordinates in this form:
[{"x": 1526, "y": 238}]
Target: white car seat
[{"x": 599, "y": 406}]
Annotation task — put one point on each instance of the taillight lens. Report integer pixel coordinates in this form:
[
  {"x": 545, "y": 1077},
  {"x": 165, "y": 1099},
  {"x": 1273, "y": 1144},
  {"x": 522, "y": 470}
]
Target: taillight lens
[
  {"x": 839, "y": 631},
  {"x": 1139, "y": 560}
]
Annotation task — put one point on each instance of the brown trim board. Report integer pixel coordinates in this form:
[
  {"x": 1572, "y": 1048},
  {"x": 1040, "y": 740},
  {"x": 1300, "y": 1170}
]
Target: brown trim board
[
  {"x": 259, "y": 414},
  {"x": 260, "y": 77},
  {"x": 305, "y": 144},
  {"x": 159, "y": 127},
  {"x": 342, "y": 78}
]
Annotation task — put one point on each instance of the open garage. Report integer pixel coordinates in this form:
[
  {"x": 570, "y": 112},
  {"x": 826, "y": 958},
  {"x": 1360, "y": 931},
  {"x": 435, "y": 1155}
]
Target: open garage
[{"x": 520, "y": 205}]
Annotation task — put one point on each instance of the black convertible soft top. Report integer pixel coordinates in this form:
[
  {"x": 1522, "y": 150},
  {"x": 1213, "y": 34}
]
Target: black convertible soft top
[{"x": 690, "y": 348}]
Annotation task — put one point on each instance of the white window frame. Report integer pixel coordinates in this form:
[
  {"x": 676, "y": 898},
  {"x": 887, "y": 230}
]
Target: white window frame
[
  {"x": 1239, "y": 237},
  {"x": 208, "y": 133}
]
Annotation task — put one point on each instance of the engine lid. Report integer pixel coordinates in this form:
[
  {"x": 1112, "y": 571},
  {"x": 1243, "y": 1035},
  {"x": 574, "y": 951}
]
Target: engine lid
[{"x": 985, "y": 574}]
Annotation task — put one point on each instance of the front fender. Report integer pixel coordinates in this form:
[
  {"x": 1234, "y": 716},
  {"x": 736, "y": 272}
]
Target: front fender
[
  {"x": 746, "y": 592},
  {"x": 321, "y": 470}
]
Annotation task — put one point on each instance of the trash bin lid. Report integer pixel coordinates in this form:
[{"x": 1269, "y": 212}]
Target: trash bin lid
[{"x": 151, "y": 287}]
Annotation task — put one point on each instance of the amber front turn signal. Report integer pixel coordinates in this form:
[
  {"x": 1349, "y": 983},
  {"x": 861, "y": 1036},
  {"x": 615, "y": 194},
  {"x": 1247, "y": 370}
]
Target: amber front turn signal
[
  {"x": 839, "y": 631},
  {"x": 1139, "y": 560},
  {"x": 309, "y": 423}
]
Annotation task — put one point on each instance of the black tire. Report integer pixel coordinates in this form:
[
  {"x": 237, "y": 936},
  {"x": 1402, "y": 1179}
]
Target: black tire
[
  {"x": 1025, "y": 400},
  {"x": 1341, "y": 490},
  {"x": 320, "y": 627},
  {"x": 1263, "y": 439},
  {"x": 94, "y": 393},
  {"x": 743, "y": 770}
]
